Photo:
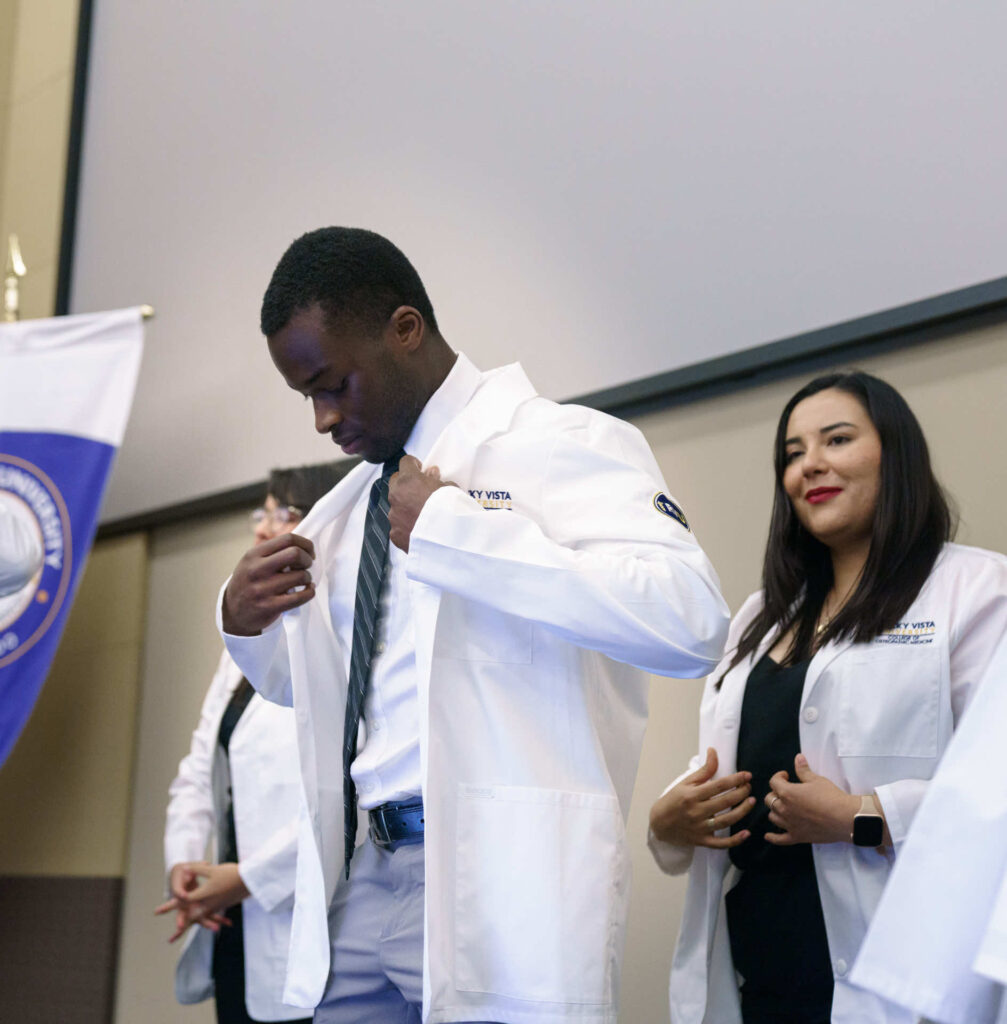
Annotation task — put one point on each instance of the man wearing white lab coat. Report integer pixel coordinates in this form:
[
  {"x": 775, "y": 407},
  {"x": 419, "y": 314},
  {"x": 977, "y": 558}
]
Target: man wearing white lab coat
[{"x": 537, "y": 571}]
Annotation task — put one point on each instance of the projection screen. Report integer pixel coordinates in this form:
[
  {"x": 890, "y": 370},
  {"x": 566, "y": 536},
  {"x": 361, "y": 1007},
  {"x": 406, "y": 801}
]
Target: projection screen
[{"x": 605, "y": 192}]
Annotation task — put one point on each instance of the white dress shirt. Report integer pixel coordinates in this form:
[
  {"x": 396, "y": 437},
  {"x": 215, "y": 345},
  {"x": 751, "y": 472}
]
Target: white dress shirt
[{"x": 387, "y": 766}]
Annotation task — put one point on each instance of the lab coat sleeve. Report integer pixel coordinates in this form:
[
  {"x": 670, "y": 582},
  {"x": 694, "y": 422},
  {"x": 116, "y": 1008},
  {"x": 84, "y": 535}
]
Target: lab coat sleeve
[
  {"x": 269, "y": 873},
  {"x": 20, "y": 553},
  {"x": 672, "y": 859},
  {"x": 977, "y": 596},
  {"x": 262, "y": 659},
  {"x": 190, "y": 817},
  {"x": 590, "y": 558}
]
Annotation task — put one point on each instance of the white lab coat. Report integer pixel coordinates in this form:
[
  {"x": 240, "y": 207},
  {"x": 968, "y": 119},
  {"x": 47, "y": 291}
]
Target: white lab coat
[
  {"x": 20, "y": 552},
  {"x": 265, "y": 778},
  {"x": 938, "y": 942},
  {"x": 873, "y": 717},
  {"x": 527, "y": 626}
]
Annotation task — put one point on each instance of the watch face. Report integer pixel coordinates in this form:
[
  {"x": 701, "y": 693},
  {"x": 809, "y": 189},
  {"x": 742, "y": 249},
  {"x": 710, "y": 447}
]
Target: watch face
[{"x": 868, "y": 830}]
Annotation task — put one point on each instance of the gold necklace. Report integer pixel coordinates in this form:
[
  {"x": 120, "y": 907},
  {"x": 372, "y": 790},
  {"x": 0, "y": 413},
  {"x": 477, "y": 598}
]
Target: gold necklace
[{"x": 827, "y": 621}]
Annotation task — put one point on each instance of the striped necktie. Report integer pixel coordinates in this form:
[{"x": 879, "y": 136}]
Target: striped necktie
[{"x": 370, "y": 575}]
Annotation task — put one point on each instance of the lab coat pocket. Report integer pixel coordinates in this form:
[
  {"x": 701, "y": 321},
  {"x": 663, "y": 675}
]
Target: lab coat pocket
[
  {"x": 469, "y": 631},
  {"x": 890, "y": 702},
  {"x": 539, "y": 882}
]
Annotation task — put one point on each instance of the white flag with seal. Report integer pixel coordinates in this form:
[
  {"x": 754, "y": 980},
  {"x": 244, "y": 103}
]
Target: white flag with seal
[{"x": 66, "y": 387}]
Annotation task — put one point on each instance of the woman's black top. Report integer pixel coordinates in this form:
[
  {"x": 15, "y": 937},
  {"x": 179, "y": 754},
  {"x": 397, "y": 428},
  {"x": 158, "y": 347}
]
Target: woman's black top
[
  {"x": 243, "y": 693},
  {"x": 774, "y": 913}
]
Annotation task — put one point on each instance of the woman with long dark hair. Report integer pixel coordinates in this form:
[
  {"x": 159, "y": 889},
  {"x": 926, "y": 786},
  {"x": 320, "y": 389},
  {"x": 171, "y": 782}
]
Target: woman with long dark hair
[{"x": 843, "y": 680}]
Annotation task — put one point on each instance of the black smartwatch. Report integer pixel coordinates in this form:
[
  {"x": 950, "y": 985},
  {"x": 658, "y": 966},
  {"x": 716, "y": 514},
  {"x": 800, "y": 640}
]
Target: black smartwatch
[{"x": 868, "y": 825}]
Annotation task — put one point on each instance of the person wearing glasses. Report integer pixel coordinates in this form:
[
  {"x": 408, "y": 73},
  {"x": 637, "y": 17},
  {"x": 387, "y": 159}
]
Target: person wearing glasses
[{"x": 239, "y": 787}]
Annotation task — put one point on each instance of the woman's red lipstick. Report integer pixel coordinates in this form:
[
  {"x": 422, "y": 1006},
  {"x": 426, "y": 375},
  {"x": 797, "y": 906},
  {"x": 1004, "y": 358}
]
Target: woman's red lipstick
[{"x": 819, "y": 494}]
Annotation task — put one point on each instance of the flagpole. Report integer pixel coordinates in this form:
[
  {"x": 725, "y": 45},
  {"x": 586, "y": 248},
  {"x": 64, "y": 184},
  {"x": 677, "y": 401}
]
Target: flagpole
[{"x": 13, "y": 273}]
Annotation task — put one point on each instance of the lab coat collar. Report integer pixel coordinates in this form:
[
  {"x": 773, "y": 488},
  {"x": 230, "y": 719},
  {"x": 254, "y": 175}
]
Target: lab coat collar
[
  {"x": 443, "y": 406},
  {"x": 491, "y": 398},
  {"x": 733, "y": 692},
  {"x": 489, "y": 412}
]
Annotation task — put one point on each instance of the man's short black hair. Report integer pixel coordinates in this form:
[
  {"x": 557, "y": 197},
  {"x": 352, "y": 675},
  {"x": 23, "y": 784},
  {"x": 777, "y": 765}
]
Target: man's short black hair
[{"x": 351, "y": 273}]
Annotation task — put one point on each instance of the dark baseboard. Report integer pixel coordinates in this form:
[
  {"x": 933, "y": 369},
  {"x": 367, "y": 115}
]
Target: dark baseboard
[{"x": 59, "y": 939}]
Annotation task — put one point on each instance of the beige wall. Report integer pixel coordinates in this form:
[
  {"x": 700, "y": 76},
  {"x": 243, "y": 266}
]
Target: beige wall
[
  {"x": 187, "y": 565},
  {"x": 37, "y": 52},
  {"x": 65, "y": 789},
  {"x": 8, "y": 34}
]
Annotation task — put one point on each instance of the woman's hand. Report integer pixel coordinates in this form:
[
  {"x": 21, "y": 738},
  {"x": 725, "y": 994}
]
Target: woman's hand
[
  {"x": 693, "y": 810},
  {"x": 811, "y": 810},
  {"x": 202, "y": 903}
]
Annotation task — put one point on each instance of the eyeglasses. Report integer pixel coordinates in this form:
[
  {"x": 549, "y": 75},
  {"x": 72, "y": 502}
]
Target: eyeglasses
[{"x": 282, "y": 515}]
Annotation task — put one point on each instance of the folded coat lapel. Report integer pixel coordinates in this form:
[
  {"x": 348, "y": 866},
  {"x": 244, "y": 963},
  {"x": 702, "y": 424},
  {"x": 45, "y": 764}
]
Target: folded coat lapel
[
  {"x": 318, "y": 673},
  {"x": 321, "y": 526},
  {"x": 490, "y": 412},
  {"x": 337, "y": 502},
  {"x": 823, "y": 658}
]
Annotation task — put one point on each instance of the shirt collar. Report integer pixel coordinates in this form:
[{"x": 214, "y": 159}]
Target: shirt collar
[{"x": 443, "y": 406}]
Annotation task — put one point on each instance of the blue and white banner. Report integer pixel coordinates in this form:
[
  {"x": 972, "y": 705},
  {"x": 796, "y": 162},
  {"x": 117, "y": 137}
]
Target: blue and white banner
[{"x": 66, "y": 386}]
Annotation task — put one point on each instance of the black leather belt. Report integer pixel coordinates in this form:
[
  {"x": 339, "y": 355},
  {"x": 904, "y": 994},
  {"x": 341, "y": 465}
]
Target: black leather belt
[{"x": 396, "y": 824}]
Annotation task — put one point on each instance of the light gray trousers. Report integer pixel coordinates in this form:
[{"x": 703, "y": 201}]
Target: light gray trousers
[{"x": 376, "y": 931}]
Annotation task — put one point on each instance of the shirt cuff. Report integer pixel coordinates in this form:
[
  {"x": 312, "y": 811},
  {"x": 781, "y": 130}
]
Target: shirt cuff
[{"x": 671, "y": 859}]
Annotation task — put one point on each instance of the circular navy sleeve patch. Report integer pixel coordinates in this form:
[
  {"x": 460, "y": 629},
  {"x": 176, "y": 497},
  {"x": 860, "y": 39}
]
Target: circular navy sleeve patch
[{"x": 667, "y": 507}]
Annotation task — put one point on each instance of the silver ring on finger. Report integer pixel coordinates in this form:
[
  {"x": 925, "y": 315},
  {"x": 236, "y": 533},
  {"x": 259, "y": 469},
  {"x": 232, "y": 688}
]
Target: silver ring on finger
[
  {"x": 712, "y": 824},
  {"x": 773, "y": 803}
]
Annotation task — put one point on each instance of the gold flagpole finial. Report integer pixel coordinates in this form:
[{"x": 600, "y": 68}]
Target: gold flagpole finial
[{"x": 12, "y": 278}]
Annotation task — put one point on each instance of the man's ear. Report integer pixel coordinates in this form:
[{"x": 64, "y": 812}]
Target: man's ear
[{"x": 408, "y": 328}]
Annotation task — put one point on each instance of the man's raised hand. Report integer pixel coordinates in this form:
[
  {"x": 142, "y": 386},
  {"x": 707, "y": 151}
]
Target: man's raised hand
[
  {"x": 408, "y": 490},
  {"x": 270, "y": 579}
]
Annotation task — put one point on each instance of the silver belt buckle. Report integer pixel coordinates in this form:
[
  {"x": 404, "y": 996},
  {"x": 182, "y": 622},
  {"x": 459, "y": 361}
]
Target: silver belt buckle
[{"x": 378, "y": 828}]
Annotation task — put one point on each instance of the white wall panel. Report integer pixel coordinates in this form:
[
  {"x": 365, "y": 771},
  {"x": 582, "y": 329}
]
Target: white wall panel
[{"x": 604, "y": 191}]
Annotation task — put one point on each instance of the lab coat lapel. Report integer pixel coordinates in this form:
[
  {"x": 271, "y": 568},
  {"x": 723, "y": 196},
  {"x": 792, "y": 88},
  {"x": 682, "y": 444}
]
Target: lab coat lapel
[
  {"x": 490, "y": 412},
  {"x": 318, "y": 677},
  {"x": 823, "y": 658},
  {"x": 310, "y": 626},
  {"x": 330, "y": 507}
]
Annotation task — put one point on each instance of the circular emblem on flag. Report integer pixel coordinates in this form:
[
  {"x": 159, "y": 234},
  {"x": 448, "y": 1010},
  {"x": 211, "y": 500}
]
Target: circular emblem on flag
[
  {"x": 667, "y": 507},
  {"x": 33, "y": 499}
]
